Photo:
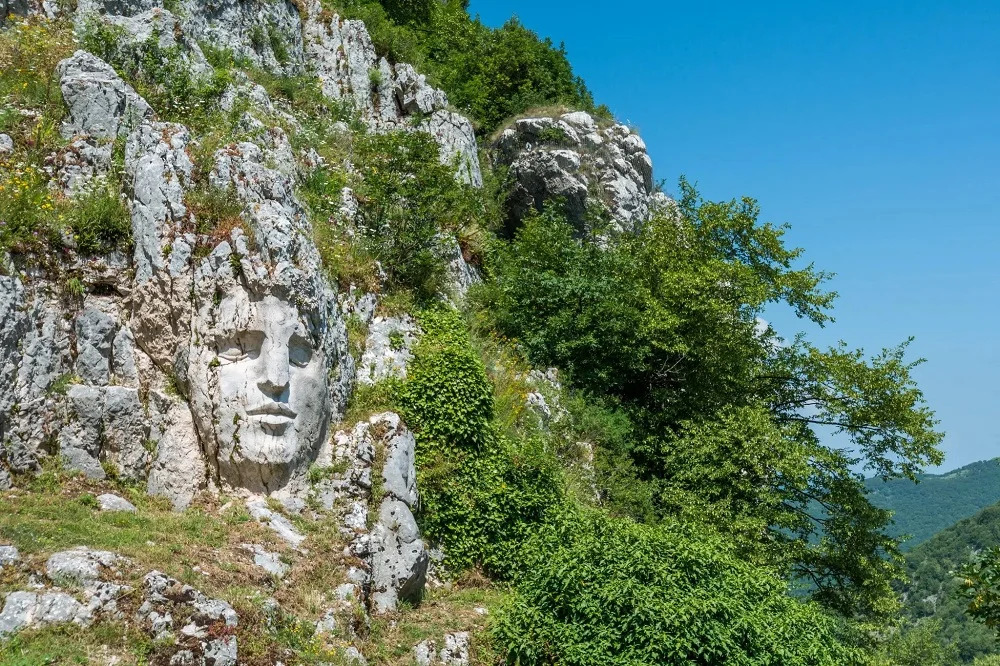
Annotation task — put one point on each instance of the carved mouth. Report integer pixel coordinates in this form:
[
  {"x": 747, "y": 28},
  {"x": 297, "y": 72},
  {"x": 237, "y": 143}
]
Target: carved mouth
[
  {"x": 271, "y": 409},
  {"x": 274, "y": 417}
]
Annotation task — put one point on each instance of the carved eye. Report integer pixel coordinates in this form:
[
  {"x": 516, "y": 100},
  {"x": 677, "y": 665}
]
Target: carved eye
[
  {"x": 239, "y": 346},
  {"x": 299, "y": 351}
]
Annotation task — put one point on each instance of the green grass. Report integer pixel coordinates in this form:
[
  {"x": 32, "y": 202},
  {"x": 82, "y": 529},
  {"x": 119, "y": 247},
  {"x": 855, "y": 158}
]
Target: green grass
[{"x": 70, "y": 644}]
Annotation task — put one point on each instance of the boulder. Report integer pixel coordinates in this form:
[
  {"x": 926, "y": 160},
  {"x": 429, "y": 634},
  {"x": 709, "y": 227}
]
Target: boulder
[
  {"x": 9, "y": 555},
  {"x": 399, "y": 559},
  {"x": 99, "y": 103},
  {"x": 113, "y": 503},
  {"x": 79, "y": 566}
]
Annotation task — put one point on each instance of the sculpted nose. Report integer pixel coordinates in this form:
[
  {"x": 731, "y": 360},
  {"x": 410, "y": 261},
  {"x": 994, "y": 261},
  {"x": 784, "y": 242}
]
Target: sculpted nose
[{"x": 273, "y": 378}]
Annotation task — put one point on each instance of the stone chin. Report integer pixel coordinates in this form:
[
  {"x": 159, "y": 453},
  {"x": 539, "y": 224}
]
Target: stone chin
[{"x": 265, "y": 389}]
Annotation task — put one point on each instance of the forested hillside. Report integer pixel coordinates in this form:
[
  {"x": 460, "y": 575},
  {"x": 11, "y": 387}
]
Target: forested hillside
[
  {"x": 933, "y": 589},
  {"x": 923, "y": 509}
]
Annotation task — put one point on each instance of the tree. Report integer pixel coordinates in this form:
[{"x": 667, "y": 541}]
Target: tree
[
  {"x": 980, "y": 584},
  {"x": 731, "y": 423},
  {"x": 920, "y": 645}
]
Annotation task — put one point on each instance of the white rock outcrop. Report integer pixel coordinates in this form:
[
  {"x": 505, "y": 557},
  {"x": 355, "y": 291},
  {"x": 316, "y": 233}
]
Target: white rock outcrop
[
  {"x": 575, "y": 159},
  {"x": 99, "y": 103},
  {"x": 388, "y": 96},
  {"x": 395, "y": 555}
]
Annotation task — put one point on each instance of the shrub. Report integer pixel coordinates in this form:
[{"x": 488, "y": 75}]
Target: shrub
[
  {"x": 600, "y": 591},
  {"x": 100, "y": 220},
  {"x": 482, "y": 494},
  {"x": 407, "y": 199}
]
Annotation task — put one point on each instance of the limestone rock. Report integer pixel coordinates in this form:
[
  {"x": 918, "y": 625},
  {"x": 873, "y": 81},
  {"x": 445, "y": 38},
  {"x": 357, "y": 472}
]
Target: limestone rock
[
  {"x": 387, "y": 349},
  {"x": 99, "y": 103},
  {"x": 399, "y": 474},
  {"x": 95, "y": 331},
  {"x": 18, "y": 612},
  {"x": 279, "y": 524},
  {"x": 114, "y": 503},
  {"x": 8, "y": 556},
  {"x": 457, "y": 139},
  {"x": 79, "y": 566},
  {"x": 456, "y": 649},
  {"x": 159, "y": 170},
  {"x": 6, "y": 144},
  {"x": 353, "y": 657},
  {"x": 573, "y": 157},
  {"x": 205, "y": 623},
  {"x": 268, "y": 561},
  {"x": 80, "y": 163},
  {"x": 461, "y": 274},
  {"x": 178, "y": 470},
  {"x": 268, "y": 35},
  {"x": 106, "y": 424},
  {"x": 28, "y": 609},
  {"x": 136, "y": 30},
  {"x": 343, "y": 56},
  {"x": 399, "y": 559}
]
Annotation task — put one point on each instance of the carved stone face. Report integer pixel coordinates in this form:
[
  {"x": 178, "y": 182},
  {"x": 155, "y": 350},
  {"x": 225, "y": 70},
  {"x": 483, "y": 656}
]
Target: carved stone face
[{"x": 269, "y": 395}]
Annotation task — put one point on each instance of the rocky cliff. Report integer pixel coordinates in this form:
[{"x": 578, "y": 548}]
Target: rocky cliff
[{"x": 220, "y": 359}]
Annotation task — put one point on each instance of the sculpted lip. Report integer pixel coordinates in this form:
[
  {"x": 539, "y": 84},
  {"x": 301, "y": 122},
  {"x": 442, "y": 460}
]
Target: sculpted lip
[{"x": 271, "y": 409}]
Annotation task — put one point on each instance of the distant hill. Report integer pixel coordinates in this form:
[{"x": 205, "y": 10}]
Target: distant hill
[
  {"x": 932, "y": 591},
  {"x": 939, "y": 500}
]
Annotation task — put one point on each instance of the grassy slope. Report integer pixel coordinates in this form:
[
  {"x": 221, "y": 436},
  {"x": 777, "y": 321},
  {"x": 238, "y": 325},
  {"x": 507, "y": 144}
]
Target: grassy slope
[
  {"x": 202, "y": 547},
  {"x": 938, "y": 501}
]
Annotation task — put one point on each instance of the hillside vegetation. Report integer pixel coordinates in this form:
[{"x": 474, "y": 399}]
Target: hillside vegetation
[
  {"x": 933, "y": 589},
  {"x": 609, "y": 461},
  {"x": 937, "y": 501}
]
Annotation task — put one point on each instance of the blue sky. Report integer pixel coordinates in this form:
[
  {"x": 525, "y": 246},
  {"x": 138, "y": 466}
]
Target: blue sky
[{"x": 872, "y": 128}]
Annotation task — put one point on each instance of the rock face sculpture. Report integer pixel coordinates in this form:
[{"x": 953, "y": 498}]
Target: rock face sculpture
[{"x": 263, "y": 400}]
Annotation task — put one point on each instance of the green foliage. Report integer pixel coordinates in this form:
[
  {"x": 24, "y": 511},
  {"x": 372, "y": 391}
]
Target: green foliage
[
  {"x": 407, "y": 199},
  {"x": 29, "y": 53},
  {"x": 72, "y": 644},
  {"x": 938, "y": 501},
  {"x": 482, "y": 494},
  {"x": 159, "y": 73},
  {"x": 920, "y": 645},
  {"x": 980, "y": 584},
  {"x": 726, "y": 419},
  {"x": 100, "y": 220},
  {"x": 933, "y": 590},
  {"x": 490, "y": 74},
  {"x": 31, "y": 216},
  {"x": 217, "y": 211},
  {"x": 602, "y": 591}
]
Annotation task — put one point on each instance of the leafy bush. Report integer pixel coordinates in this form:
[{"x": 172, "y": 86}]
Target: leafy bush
[
  {"x": 600, "y": 591},
  {"x": 482, "y": 494},
  {"x": 100, "y": 220}
]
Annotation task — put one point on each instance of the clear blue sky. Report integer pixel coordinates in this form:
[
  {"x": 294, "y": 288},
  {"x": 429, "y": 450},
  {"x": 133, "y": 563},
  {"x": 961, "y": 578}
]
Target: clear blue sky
[{"x": 873, "y": 128}]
